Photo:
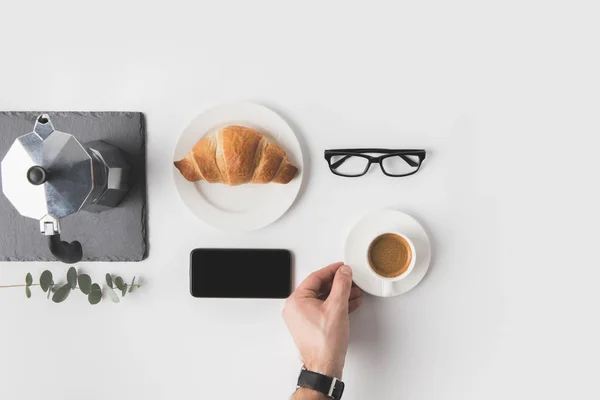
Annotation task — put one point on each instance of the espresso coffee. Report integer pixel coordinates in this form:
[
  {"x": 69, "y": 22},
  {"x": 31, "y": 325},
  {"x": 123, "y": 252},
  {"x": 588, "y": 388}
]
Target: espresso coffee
[{"x": 389, "y": 255}]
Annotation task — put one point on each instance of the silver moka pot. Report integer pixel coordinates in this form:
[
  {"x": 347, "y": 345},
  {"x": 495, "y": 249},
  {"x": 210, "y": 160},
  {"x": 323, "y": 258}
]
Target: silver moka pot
[{"x": 48, "y": 175}]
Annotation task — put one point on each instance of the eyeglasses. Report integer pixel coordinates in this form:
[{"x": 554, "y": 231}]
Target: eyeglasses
[{"x": 356, "y": 162}]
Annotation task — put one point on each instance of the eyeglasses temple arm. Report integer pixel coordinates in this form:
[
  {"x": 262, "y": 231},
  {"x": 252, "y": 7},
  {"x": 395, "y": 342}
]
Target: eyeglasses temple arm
[
  {"x": 409, "y": 161},
  {"x": 339, "y": 162}
]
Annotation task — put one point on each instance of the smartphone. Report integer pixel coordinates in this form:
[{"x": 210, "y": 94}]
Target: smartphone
[{"x": 241, "y": 273}]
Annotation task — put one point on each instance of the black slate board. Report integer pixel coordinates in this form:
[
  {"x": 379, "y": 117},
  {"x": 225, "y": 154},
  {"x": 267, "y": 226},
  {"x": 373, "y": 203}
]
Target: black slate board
[{"x": 117, "y": 234}]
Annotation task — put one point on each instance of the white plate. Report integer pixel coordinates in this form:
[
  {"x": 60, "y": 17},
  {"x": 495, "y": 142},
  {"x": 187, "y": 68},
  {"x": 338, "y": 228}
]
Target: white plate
[
  {"x": 245, "y": 207},
  {"x": 370, "y": 227}
]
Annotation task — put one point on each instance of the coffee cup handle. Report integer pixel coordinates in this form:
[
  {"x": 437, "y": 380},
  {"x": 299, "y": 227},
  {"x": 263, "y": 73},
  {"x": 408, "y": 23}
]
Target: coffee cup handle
[{"x": 388, "y": 288}]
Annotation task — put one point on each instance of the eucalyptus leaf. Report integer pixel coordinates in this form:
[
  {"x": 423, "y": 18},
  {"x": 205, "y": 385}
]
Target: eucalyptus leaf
[
  {"x": 28, "y": 279},
  {"x": 27, "y": 292},
  {"x": 85, "y": 283},
  {"x": 109, "y": 281},
  {"x": 72, "y": 277},
  {"x": 124, "y": 290},
  {"x": 62, "y": 293},
  {"x": 119, "y": 282},
  {"x": 113, "y": 296},
  {"x": 131, "y": 286},
  {"x": 95, "y": 294},
  {"x": 45, "y": 280},
  {"x": 54, "y": 288}
]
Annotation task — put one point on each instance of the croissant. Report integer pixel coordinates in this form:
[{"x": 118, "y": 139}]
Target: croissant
[{"x": 236, "y": 155}]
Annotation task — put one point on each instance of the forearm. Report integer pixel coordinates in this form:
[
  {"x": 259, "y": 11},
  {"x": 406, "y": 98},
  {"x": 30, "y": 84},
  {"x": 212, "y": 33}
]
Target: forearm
[{"x": 308, "y": 394}]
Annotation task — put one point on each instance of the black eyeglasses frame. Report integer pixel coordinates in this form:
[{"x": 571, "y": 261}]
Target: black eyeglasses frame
[{"x": 421, "y": 154}]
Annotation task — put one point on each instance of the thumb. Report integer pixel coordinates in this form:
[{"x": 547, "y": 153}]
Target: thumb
[{"x": 340, "y": 289}]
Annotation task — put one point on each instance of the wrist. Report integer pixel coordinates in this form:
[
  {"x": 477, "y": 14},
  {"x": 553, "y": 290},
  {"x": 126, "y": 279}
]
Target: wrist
[
  {"x": 308, "y": 394},
  {"x": 331, "y": 369},
  {"x": 328, "y": 386}
]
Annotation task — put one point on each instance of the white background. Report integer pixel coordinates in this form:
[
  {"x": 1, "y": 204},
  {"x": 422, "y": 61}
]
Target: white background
[{"x": 504, "y": 95}]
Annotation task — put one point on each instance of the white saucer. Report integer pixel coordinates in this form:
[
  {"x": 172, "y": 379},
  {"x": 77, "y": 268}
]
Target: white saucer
[
  {"x": 245, "y": 207},
  {"x": 366, "y": 230}
]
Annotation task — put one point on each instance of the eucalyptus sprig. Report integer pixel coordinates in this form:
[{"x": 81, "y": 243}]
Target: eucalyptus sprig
[{"x": 82, "y": 282}]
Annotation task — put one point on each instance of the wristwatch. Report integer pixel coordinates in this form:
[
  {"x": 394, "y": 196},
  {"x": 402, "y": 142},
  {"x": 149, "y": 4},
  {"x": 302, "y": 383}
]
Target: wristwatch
[{"x": 329, "y": 386}]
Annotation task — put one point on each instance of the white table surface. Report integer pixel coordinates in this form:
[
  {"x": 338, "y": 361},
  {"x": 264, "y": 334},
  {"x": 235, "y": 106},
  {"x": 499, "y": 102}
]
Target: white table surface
[{"x": 503, "y": 95}]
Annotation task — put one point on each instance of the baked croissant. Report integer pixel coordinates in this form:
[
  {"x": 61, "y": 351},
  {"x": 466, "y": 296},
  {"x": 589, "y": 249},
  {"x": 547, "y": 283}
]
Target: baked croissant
[{"x": 236, "y": 155}]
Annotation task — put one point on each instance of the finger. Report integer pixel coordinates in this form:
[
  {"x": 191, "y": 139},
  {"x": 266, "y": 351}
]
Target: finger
[
  {"x": 340, "y": 290},
  {"x": 313, "y": 283},
  {"x": 355, "y": 292},
  {"x": 324, "y": 292},
  {"x": 354, "y": 304}
]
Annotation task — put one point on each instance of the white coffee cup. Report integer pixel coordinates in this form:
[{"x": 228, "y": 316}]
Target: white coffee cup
[{"x": 388, "y": 283}]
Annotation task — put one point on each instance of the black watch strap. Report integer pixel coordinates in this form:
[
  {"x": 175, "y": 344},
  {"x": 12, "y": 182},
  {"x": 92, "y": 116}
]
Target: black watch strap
[{"x": 331, "y": 387}]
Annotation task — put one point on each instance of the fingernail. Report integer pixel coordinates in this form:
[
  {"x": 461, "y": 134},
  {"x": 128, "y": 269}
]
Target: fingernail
[{"x": 346, "y": 270}]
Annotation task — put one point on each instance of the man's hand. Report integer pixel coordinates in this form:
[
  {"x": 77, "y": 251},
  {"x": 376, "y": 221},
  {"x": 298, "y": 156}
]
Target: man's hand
[{"x": 317, "y": 316}]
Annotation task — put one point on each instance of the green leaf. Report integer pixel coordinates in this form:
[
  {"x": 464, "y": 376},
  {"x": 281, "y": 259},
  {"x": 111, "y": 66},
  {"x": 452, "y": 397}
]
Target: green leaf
[
  {"x": 54, "y": 288},
  {"x": 62, "y": 293},
  {"x": 109, "y": 281},
  {"x": 113, "y": 296},
  {"x": 85, "y": 283},
  {"x": 45, "y": 280},
  {"x": 119, "y": 282},
  {"x": 28, "y": 279},
  {"x": 95, "y": 294},
  {"x": 72, "y": 277},
  {"x": 27, "y": 292},
  {"x": 131, "y": 286},
  {"x": 124, "y": 290}
]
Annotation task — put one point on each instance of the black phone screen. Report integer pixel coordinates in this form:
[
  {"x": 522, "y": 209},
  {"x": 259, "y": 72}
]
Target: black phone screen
[{"x": 241, "y": 273}]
